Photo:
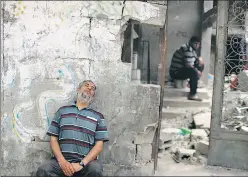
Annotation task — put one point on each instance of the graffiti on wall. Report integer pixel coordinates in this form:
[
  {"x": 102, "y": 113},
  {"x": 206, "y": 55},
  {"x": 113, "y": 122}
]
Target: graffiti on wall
[
  {"x": 180, "y": 33},
  {"x": 66, "y": 78}
]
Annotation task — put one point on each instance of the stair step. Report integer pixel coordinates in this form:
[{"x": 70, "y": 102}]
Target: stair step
[
  {"x": 183, "y": 92},
  {"x": 172, "y": 113},
  {"x": 185, "y": 103}
]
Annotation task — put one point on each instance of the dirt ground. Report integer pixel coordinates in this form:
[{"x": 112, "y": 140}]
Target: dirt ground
[{"x": 168, "y": 167}]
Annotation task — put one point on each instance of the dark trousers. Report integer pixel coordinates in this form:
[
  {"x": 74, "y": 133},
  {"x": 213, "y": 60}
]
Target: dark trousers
[
  {"x": 191, "y": 74},
  {"x": 52, "y": 168}
]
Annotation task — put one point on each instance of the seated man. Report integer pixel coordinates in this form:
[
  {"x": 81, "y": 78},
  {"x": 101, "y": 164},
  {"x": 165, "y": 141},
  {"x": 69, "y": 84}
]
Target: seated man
[
  {"x": 77, "y": 135},
  {"x": 186, "y": 64}
]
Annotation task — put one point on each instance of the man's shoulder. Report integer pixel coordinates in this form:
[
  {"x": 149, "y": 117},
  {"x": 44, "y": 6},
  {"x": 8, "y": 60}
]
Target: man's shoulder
[
  {"x": 95, "y": 113},
  {"x": 66, "y": 107},
  {"x": 184, "y": 47}
]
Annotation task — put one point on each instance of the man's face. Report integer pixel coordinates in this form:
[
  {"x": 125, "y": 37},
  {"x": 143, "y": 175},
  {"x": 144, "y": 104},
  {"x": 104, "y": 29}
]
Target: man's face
[
  {"x": 196, "y": 45},
  {"x": 88, "y": 88},
  {"x": 86, "y": 92}
]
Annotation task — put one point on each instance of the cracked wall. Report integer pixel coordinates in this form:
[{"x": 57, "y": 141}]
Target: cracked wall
[{"x": 49, "y": 48}]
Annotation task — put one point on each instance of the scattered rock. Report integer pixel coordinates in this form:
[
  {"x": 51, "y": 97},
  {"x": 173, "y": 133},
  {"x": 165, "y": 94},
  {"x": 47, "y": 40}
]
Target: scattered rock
[
  {"x": 184, "y": 154},
  {"x": 171, "y": 130},
  {"x": 202, "y": 147},
  {"x": 165, "y": 137},
  {"x": 202, "y": 159},
  {"x": 199, "y": 133},
  {"x": 244, "y": 129},
  {"x": 202, "y": 120}
]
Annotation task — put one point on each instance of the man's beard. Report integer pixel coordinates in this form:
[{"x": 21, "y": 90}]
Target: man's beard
[{"x": 84, "y": 98}]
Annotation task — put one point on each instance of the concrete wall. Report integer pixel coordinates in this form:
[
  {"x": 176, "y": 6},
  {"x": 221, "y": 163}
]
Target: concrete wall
[
  {"x": 184, "y": 21},
  {"x": 49, "y": 47}
]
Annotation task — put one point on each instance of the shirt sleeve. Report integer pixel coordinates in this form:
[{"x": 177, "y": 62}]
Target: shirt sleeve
[
  {"x": 101, "y": 131},
  {"x": 53, "y": 129}
]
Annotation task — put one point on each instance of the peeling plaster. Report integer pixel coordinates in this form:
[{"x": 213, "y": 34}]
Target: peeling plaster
[{"x": 51, "y": 47}]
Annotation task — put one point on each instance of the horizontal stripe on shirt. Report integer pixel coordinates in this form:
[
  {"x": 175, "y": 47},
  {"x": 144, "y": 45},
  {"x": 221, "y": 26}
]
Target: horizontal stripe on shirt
[
  {"x": 77, "y": 128},
  {"x": 78, "y": 116}
]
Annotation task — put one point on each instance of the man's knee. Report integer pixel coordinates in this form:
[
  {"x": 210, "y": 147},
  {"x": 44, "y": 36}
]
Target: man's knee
[
  {"x": 95, "y": 168},
  {"x": 43, "y": 170}
]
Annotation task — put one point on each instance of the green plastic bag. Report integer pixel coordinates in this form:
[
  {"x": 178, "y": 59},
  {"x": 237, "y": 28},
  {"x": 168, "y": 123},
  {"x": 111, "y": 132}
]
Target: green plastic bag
[{"x": 184, "y": 131}]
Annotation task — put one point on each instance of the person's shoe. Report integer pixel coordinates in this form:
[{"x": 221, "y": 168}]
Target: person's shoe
[{"x": 194, "y": 98}]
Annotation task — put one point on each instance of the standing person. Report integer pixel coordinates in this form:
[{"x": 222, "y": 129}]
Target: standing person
[
  {"x": 186, "y": 64},
  {"x": 77, "y": 136}
]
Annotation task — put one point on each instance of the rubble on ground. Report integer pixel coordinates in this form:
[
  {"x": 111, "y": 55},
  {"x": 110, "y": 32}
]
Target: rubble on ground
[
  {"x": 235, "y": 111},
  {"x": 191, "y": 147}
]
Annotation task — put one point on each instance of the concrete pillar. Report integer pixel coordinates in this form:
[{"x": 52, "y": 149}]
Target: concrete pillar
[
  {"x": 136, "y": 74},
  {"x": 206, "y": 44},
  {"x": 246, "y": 32}
]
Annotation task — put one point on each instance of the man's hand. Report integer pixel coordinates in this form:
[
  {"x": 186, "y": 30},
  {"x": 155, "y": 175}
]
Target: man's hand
[
  {"x": 76, "y": 167},
  {"x": 199, "y": 73},
  {"x": 66, "y": 167},
  {"x": 201, "y": 62}
]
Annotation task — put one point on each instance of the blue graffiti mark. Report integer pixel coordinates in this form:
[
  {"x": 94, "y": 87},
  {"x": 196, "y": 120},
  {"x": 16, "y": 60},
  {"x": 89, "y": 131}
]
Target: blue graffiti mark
[
  {"x": 61, "y": 74},
  {"x": 17, "y": 116},
  {"x": 47, "y": 115},
  {"x": 12, "y": 83}
]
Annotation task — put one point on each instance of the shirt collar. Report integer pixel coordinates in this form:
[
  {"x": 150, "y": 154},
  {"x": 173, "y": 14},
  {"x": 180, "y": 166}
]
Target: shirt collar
[
  {"x": 74, "y": 104},
  {"x": 189, "y": 47}
]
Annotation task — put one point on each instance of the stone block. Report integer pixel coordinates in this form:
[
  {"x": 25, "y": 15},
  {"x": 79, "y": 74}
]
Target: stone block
[
  {"x": 199, "y": 133},
  {"x": 202, "y": 147},
  {"x": 144, "y": 152},
  {"x": 147, "y": 136},
  {"x": 180, "y": 83},
  {"x": 202, "y": 120},
  {"x": 184, "y": 154},
  {"x": 163, "y": 146},
  {"x": 244, "y": 129},
  {"x": 164, "y": 138}
]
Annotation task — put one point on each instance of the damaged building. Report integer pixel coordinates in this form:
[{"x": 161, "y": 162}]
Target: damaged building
[{"x": 48, "y": 49}]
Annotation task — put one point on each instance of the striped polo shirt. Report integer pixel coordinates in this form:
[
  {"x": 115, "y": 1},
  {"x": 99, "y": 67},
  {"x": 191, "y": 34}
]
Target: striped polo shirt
[
  {"x": 77, "y": 131},
  {"x": 182, "y": 57}
]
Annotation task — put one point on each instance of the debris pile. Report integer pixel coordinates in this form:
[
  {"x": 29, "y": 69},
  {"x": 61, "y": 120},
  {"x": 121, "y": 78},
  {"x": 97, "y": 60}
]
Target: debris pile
[
  {"x": 190, "y": 144},
  {"x": 235, "y": 112}
]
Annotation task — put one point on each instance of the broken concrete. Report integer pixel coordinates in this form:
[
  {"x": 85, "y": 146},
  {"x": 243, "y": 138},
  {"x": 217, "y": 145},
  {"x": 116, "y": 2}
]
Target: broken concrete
[
  {"x": 144, "y": 153},
  {"x": 244, "y": 129},
  {"x": 42, "y": 74},
  {"x": 202, "y": 147},
  {"x": 185, "y": 154},
  {"x": 199, "y": 133},
  {"x": 203, "y": 120}
]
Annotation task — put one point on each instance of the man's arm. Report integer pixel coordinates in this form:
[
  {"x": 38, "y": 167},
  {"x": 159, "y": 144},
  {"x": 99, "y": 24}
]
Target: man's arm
[
  {"x": 184, "y": 53},
  {"x": 100, "y": 137},
  {"x": 56, "y": 149},
  {"x": 66, "y": 167},
  {"x": 94, "y": 152},
  {"x": 53, "y": 132}
]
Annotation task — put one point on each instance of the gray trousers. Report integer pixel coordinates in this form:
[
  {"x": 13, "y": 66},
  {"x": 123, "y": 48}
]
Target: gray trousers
[{"x": 52, "y": 168}]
